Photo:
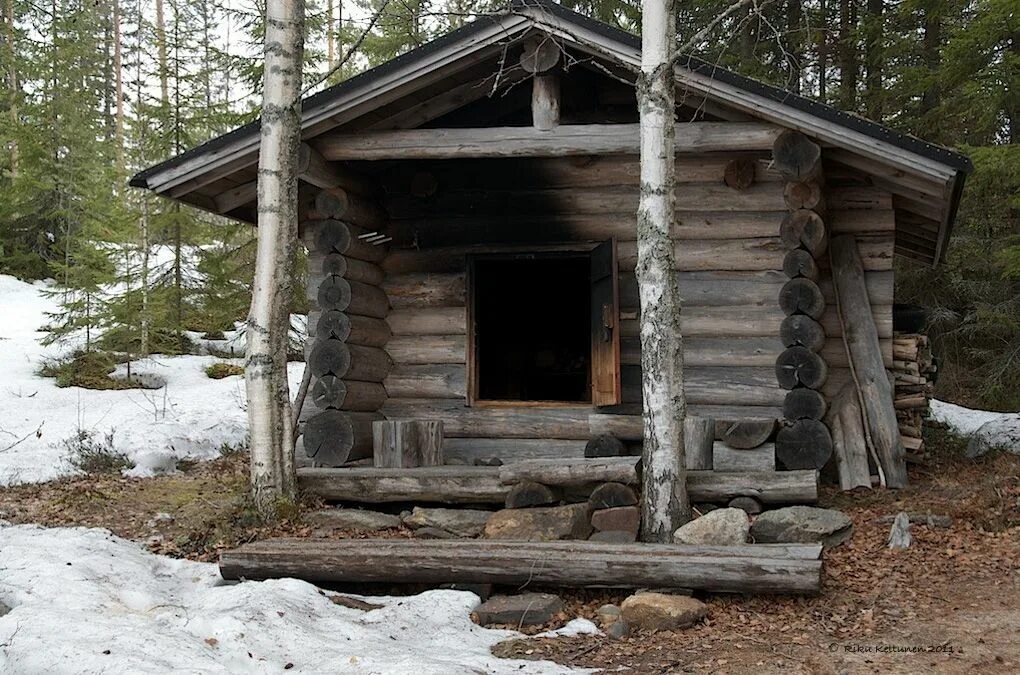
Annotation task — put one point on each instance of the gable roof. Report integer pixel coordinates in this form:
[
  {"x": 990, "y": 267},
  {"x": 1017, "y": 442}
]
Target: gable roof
[{"x": 928, "y": 170}]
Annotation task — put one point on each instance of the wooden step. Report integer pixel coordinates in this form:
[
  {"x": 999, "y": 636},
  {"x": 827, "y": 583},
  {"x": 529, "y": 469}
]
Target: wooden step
[
  {"x": 751, "y": 568},
  {"x": 482, "y": 485}
]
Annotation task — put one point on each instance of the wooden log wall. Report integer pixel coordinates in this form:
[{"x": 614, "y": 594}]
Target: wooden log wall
[
  {"x": 730, "y": 270},
  {"x": 347, "y": 329},
  {"x": 804, "y": 442}
]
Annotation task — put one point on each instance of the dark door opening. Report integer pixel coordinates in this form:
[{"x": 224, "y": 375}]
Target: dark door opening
[{"x": 531, "y": 328}]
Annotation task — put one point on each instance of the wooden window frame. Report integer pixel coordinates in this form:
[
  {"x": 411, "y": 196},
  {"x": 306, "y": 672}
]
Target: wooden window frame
[{"x": 580, "y": 251}]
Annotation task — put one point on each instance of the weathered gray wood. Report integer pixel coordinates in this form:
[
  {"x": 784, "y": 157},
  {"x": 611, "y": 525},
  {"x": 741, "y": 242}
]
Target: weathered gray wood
[
  {"x": 808, "y": 194},
  {"x": 334, "y": 236},
  {"x": 604, "y": 445},
  {"x": 740, "y": 569},
  {"x": 349, "y": 361},
  {"x": 801, "y": 367},
  {"x": 428, "y": 349},
  {"x": 804, "y": 403},
  {"x": 804, "y": 228},
  {"x": 848, "y": 440},
  {"x": 565, "y": 140},
  {"x": 807, "y": 444},
  {"x": 400, "y": 444},
  {"x": 802, "y": 296},
  {"x": 426, "y": 290},
  {"x": 350, "y": 207},
  {"x": 495, "y": 422},
  {"x": 699, "y": 438},
  {"x": 332, "y": 437},
  {"x": 800, "y": 263},
  {"x": 314, "y": 169},
  {"x": 507, "y": 450},
  {"x": 745, "y": 434},
  {"x": 529, "y": 493},
  {"x": 334, "y": 264},
  {"x": 353, "y": 297},
  {"x": 761, "y": 458},
  {"x": 861, "y": 337},
  {"x": 478, "y": 484},
  {"x": 427, "y": 381},
  {"x": 801, "y": 330},
  {"x": 739, "y": 173},
  {"x": 353, "y": 329},
  {"x": 332, "y": 392},
  {"x": 445, "y": 484},
  {"x": 572, "y": 472},
  {"x": 540, "y": 53},
  {"x": 796, "y": 156},
  {"x": 545, "y": 102}
]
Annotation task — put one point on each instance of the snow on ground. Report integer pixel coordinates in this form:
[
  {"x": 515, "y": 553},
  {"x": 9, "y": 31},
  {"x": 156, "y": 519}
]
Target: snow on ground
[
  {"x": 986, "y": 430},
  {"x": 192, "y": 416},
  {"x": 83, "y": 600}
]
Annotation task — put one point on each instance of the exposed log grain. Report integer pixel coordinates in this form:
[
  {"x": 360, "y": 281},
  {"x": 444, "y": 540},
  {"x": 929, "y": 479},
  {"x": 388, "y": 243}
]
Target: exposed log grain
[
  {"x": 801, "y": 367},
  {"x": 804, "y": 403},
  {"x": 800, "y": 263},
  {"x": 746, "y": 434},
  {"x": 806, "y": 229},
  {"x": 801, "y": 330},
  {"x": 332, "y": 392},
  {"x": 806, "y": 444},
  {"x": 739, "y": 173}
]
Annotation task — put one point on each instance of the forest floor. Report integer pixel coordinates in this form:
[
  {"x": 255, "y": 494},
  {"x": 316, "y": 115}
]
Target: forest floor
[{"x": 951, "y": 602}]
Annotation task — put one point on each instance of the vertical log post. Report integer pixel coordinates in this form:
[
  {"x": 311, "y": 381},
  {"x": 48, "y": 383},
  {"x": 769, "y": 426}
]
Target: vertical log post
[
  {"x": 804, "y": 442},
  {"x": 699, "y": 443},
  {"x": 541, "y": 54}
]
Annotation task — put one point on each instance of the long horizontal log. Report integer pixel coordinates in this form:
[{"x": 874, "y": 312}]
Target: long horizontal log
[
  {"x": 427, "y": 381},
  {"x": 725, "y": 458},
  {"x": 573, "y": 472},
  {"x": 481, "y": 485},
  {"x": 494, "y": 422},
  {"x": 427, "y": 229},
  {"x": 428, "y": 349},
  {"x": 469, "y": 450},
  {"x": 350, "y": 328},
  {"x": 577, "y": 564},
  {"x": 565, "y": 140}
]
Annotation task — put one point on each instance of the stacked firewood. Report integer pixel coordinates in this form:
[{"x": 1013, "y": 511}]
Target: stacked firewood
[{"x": 913, "y": 370}]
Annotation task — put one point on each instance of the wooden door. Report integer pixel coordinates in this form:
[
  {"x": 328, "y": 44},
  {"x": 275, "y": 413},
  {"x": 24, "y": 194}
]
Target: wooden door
[{"x": 605, "y": 326}]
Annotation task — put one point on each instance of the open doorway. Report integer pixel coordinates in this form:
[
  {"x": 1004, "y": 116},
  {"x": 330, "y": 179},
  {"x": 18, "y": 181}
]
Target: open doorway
[{"x": 530, "y": 328}]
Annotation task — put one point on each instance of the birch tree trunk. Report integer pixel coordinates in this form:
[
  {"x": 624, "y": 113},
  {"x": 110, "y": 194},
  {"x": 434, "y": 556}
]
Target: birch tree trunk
[
  {"x": 269, "y": 410},
  {"x": 665, "y": 505}
]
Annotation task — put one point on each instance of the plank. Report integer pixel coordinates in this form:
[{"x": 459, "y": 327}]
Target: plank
[{"x": 572, "y": 472}]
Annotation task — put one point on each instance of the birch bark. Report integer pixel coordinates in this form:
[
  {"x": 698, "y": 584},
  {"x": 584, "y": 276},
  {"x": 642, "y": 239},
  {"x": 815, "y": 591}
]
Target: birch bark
[
  {"x": 665, "y": 504},
  {"x": 269, "y": 411}
]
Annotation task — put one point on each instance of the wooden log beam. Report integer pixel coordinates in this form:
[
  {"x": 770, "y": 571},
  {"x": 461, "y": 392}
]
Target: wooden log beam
[
  {"x": 564, "y": 140},
  {"x": 545, "y": 102},
  {"x": 481, "y": 485},
  {"x": 741, "y": 569},
  {"x": 762, "y": 458},
  {"x": 313, "y": 168},
  {"x": 407, "y": 443},
  {"x": 861, "y": 337},
  {"x": 573, "y": 472}
]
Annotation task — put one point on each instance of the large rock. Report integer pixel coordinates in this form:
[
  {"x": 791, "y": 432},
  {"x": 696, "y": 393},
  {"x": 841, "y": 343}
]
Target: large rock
[
  {"x": 352, "y": 519},
  {"x": 802, "y": 525},
  {"x": 549, "y": 523},
  {"x": 659, "y": 611},
  {"x": 460, "y": 522},
  {"x": 722, "y": 527},
  {"x": 527, "y": 609},
  {"x": 1002, "y": 433}
]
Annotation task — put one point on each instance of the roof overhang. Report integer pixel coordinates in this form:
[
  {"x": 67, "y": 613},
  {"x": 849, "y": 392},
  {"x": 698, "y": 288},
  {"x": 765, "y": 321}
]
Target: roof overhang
[{"x": 925, "y": 180}]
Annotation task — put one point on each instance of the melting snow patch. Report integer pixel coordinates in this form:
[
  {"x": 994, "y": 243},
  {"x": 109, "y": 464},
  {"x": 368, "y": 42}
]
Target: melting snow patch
[
  {"x": 986, "y": 430},
  {"x": 83, "y": 600}
]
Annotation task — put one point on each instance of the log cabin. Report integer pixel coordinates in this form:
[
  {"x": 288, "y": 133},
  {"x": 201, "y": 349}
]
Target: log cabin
[{"x": 469, "y": 214}]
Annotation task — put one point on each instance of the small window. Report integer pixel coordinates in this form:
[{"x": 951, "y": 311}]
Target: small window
[{"x": 535, "y": 333}]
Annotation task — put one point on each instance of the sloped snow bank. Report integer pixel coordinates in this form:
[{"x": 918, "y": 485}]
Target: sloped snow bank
[
  {"x": 85, "y": 601},
  {"x": 986, "y": 430},
  {"x": 192, "y": 416}
]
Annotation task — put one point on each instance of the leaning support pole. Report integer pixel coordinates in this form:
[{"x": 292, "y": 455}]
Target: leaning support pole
[
  {"x": 665, "y": 505},
  {"x": 729, "y": 569}
]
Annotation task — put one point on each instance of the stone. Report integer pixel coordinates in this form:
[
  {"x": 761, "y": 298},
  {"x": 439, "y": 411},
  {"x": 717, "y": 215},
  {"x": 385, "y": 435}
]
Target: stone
[
  {"x": 722, "y": 527},
  {"x": 618, "y": 630},
  {"x": 748, "y": 505},
  {"x": 1001, "y": 433},
  {"x": 160, "y": 518},
  {"x": 704, "y": 508},
  {"x": 802, "y": 525},
  {"x": 619, "y": 519},
  {"x": 352, "y": 519},
  {"x": 612, "y": 495},
  {"x": 933, "y": 520},
  {"x": 614, "y": 537},
  {"x": 659, "y": 611},
  {"x": 433, "y": 533},
  {"x": 544, "y": 523},
  {"x": 528, "y": 493},
  {"x": 899, "y": 534},
  {"x": 527, "y": 609},
  {"x": 608, "y": 614},
  {"x": 459, "y": 522}
]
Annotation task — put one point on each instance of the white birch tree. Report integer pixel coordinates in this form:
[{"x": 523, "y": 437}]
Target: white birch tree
[
  {"x": 665, "y": 505},
  {"x": 269, "y": 410}
]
